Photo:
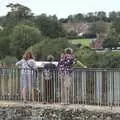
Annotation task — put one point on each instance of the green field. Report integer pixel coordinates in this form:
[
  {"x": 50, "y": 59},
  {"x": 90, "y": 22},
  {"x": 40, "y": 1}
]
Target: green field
[{"x": 84, "y": 42}]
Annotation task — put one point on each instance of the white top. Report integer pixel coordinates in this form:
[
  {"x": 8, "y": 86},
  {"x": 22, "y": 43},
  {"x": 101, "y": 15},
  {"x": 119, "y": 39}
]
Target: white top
[{"x": 23, "y": 64}]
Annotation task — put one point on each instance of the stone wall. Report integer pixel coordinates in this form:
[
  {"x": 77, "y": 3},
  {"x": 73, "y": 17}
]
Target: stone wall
[{"x": 52, "y": 112}]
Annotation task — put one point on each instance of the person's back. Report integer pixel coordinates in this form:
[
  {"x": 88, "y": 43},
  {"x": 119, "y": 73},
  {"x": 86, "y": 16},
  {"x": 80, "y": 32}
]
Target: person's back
[
  {"x": 66, "y": 62},
  {"x": 65, "y": 70},
  {"x": 50, "y": 66},
  {"x": 49, "y": 70}
]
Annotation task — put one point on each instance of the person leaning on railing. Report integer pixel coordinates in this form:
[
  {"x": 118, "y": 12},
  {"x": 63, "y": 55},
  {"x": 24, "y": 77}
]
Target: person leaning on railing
[
  {"x": 49, "y": 71},
  {"x": 65, "y": 69},
  {"x": 27, "y": 78}
]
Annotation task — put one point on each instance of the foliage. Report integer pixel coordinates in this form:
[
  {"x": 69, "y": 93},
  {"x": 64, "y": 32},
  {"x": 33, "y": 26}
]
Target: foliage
[
  {"x": 113, "y": 38},
  {"x": 110, "y": 42},
  {"x": 17, "y": 14},
  {"x": 71, "y": 34},
  {"x": 95, "y": 60},
  {"x": 4, "y": 43},
  {"x": 23, "y": 31},
  {"x": 87, "y": 56},
  {"x": 115, "y": 25},
  {"x": 111, "y": 60},
  {"x": 9, "y": 60},
  {"x": 98, "y": 27},
  {"x": 50, "y": 46},
  {"x": 22, "y": 37},
  {"x": 49, "y": 26},
  {"x": 4, "y": 46}
]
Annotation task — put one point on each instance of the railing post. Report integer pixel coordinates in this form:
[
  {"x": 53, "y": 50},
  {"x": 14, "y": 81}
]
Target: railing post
[
  {"x": 84, "y": 87},
  {"x": 116, "y": 88},
  {"x": 99, "y": 87}
]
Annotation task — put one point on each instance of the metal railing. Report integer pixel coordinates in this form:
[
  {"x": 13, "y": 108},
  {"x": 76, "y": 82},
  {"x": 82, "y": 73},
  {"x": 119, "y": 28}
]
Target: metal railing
[{"x": 84, "y": 86}]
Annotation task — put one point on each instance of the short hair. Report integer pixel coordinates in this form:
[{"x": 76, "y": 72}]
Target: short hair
[
  {"x": 50, "y": 58},
  {"x": 68, "y": 50},
  {"x": 27, "y": 55}
]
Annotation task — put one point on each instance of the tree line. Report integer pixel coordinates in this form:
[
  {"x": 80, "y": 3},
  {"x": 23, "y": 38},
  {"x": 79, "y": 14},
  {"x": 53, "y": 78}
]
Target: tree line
[{"x": 92, "y": 17}]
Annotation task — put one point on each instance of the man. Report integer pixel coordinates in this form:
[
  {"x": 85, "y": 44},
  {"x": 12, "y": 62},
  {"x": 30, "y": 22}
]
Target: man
[{"x": 49, "y": 71}]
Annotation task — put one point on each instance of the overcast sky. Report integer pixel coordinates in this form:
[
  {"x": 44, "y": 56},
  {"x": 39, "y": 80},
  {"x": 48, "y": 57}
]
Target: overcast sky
[{"x": 63, "y": 8}]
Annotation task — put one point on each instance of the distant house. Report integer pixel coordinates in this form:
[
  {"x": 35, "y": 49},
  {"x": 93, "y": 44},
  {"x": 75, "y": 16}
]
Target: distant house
[{"x": 78, "y": 27}]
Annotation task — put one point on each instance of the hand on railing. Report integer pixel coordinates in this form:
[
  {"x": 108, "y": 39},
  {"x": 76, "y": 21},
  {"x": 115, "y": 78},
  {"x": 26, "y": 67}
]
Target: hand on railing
[
  {"x": 85, "y": 66},
  {"x": 81, "y": 64}
]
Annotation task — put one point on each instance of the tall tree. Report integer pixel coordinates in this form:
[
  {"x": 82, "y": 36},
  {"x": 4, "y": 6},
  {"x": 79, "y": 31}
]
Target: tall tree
[
  {"x": 90, "y": 17},
  {"x": 49, "y": 26},
  {"x": 101, "y": 15},
  {"x": 18, "y": 13},
  {"x": 50, "y": 46},
  {"x": 79, "y": 17},
  {"x": 22, "y": 37},
  {"x": 112, "y": 15}
]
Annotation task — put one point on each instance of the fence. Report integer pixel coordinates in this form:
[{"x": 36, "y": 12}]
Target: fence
[{"x": 87, "y": 86}]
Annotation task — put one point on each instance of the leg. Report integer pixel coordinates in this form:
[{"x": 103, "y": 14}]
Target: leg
[
  {"x": 34, "y": 94},
  {"x": 67, "y": 85},
  {"x": 23, "y": 84},
  {"x": 62, "y": 89},
  {"x": 24, "y": 94}
]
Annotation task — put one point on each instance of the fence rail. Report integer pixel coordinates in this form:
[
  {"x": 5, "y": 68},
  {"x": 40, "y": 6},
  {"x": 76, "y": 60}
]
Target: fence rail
[{"x": 86, "y": 86}]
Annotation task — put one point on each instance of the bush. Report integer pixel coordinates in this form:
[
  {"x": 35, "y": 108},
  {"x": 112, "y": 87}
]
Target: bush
[{"x": 9, "y": 60}]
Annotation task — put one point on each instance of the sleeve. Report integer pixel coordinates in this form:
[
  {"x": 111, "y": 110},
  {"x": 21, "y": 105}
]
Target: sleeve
[
  {"x": 19, "y": 63},
  {"x": 33, "y": 64}
]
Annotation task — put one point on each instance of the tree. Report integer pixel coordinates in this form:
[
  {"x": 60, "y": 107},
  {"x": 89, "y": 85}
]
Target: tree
[
  {"x": 22, "y": 37},
  {"x": 101, "y": 15},
  {"x": 111, "y": 60},
  {"x": 112, "y": 15},
  {"x": 4, "y": 46},
  {"x": 110, "y": 42},
  {"x": 99, "y": 27},
  {"x": 9, "y": 60},
  {"x": 78, "y": 17},
  {"x": 115, "y": 25},
  {"x": 49, "y": 26},
  {"x": 49, "y": 46},
  {"x": 87, "y": 56},
  {"x": 18, "y": 14},
  {"x": 4, "y": 43},
  {"x": 70, "y": 18},
  {"x": 90, "y": 17}
]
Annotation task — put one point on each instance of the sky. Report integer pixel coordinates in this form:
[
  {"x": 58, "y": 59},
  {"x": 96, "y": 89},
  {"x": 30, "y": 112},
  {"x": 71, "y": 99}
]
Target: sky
[{"x": 63, "y": 8}]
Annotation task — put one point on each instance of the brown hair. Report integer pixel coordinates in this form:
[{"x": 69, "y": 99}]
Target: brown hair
[{"x": 27, "y": 55}]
